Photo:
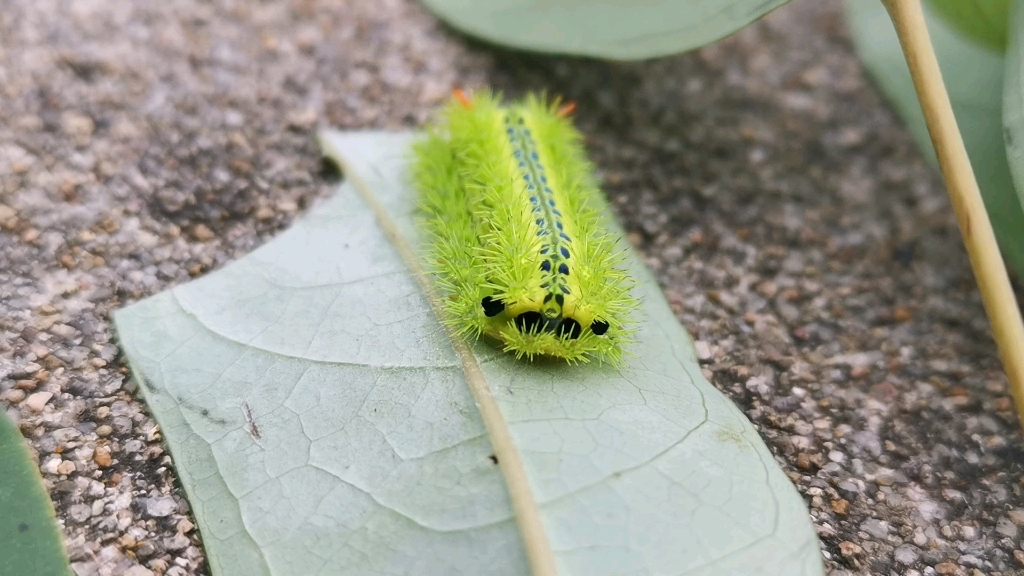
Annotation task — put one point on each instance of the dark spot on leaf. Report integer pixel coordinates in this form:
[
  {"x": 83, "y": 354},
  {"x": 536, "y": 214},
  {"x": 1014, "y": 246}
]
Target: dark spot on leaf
[{"x": 329, "y": 171}]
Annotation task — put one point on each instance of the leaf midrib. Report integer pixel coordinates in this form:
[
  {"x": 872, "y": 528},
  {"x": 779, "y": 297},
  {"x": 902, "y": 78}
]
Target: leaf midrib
[{"x": 524, "y": 504}]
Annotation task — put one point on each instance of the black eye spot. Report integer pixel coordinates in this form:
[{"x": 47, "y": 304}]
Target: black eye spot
[
  {"x": 570, "y": 329},
  {"x": 492, "y": 306},
  {"x": 529, "y": 322},
  {"x": 599, "y": 327},
  {"x": 559, "y": 298}
]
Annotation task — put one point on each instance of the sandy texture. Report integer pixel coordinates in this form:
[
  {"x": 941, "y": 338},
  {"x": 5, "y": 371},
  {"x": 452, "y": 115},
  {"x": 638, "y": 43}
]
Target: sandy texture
[{"x": 794, "y": 227}]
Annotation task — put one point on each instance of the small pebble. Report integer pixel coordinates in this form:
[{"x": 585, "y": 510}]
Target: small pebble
[
  {"x": 906, "y": 555},
  {"x": 202, "y": 233},
  {"x": 703, "y": 350},
  {"x": 102, "y": 457},
  {"x": 176, "y": 542},
  {"x": 1006, "y": 527},
  {"x": 14, "y": 395},
  {"x": 184, "y": 526},
  {"x": 160, "y": 506},
  {"x": 38, "y": 400},
  {"x": 80, "y": 512},
  {"x": 848, "y": 548}
]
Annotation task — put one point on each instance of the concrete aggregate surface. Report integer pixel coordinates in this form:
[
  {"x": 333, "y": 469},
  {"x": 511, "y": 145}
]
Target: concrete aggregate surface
[{"x": 794, "y": 227}]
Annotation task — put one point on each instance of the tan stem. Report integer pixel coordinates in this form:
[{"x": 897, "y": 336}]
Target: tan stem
[
  {"x": 524, "y": 505},
  {"x": 989, "y": 270}
]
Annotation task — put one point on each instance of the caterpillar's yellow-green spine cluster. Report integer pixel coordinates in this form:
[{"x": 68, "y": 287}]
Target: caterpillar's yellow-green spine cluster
[{"x": 519, "y": 242}]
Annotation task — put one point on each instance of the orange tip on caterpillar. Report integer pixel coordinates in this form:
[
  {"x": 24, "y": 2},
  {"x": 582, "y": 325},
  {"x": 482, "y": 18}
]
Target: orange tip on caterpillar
[
  {"x": 518, "y": 233},
  {"x": 463, "y": 99}
]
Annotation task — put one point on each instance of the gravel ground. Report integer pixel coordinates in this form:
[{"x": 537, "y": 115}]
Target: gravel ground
[{"x": 796, "y": 230}]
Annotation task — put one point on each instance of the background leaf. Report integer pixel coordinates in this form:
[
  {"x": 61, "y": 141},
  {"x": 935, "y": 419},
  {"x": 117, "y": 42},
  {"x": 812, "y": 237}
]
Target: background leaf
[
  {"x": 1013, "y": 103},
  {"x": 30, "y": 540},
  {"x": 983, "y": 20},
  {"x": 369, "y": 457},
  {"x": 613, "y": 29},
  {"x": 974, "y": 78}
]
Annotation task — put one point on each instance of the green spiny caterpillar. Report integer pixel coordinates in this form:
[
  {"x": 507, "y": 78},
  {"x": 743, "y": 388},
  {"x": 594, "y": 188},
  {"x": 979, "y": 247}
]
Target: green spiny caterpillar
[{"x": 518, "y": 238}]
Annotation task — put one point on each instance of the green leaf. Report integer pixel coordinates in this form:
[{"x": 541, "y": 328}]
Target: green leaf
[
  {"x": 984, "y": 21},
  {"x": 30, "y": 539},
  {"x": 974, "y": 79},
  {"x": 1013, "y": 106},
  {"x": 321, "y": 421},
  {"x": 613, "y": 29}
]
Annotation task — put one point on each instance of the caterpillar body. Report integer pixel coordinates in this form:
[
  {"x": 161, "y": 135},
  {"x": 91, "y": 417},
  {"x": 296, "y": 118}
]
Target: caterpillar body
[{"x": 518, "y": 238}]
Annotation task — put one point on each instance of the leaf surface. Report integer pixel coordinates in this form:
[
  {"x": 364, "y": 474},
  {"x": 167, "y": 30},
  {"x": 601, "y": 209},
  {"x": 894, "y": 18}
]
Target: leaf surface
[
  {"x": 613, "y": 29},
  {"x": 974, "y": 78},
  {"x": 983, "y": 20},
  {"x": 30, "y": 540},
  {"x": 1013, "y": 105},
  {"x": 321, "y": 422}
]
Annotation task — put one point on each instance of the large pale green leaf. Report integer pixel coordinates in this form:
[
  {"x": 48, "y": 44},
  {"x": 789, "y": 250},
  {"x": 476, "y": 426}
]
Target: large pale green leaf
[
  {"x": 321, "y": 422},
  {"x": 1013, "y": 104},
  {"x": 983, "y": 20},
  {"x": 30, "y": 539},
  {"x": 974, "y": 80},
  {"x": 613, "y": 29}
]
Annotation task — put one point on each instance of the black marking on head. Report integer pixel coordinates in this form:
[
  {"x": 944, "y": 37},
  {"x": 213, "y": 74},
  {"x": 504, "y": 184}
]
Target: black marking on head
[
  {"x": 492, "y": 306},
  {"x": 599, "y": 327},
  {"x": 565, "y": 289},
  {"x": 570, "y": 329},
  {"x": 530, "y": 322},
  {"x": 558, "y": 299},
  {"x": 563, "y": 269},
  {"x": 547, "y": 298}
]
